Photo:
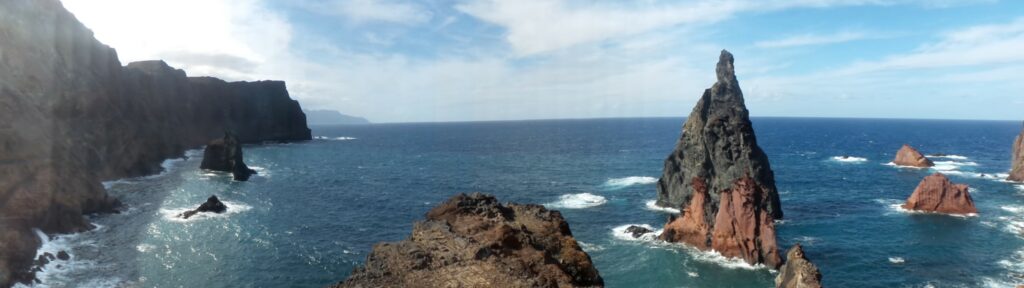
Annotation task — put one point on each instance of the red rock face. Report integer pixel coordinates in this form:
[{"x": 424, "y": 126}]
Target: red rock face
[
  {"x": 937, "y": 194},
  {"x": 743, "y": 230},
  {"x": 1017, "y": 173},
  {"x": 692, "y": 228},
  {"x": 908, "y": 156}
]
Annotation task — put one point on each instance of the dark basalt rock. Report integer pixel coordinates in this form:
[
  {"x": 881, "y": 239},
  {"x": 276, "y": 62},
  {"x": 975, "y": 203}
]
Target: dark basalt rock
[
  {"x": 718, "y": 171},
  {"x": 212, "y": 205},
  {"x": 473, "y": 241},
  {"x": 637, "y": 231},
  {"x": 798, "y": 272},
  {"x": 225, "y": 154}
]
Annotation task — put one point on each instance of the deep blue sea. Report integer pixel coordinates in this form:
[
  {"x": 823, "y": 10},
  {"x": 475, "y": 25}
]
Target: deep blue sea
[{"x": 317, "y": 207}]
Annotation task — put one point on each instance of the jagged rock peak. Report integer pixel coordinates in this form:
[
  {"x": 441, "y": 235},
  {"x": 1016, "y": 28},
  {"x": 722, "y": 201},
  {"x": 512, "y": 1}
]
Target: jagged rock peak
[
  {"x": 798, "y": 272},
  {"x": 725, "y": 70}
]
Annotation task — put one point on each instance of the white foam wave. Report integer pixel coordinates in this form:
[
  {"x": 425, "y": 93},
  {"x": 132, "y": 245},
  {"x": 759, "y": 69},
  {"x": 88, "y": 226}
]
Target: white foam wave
[
  {"x": 849, "y": 159},
  {"x": 653, "y": 206},
  {"x": 617, "y": 183},
  {"x": 590, "y": 248},
  {"x": 57, "y": 273},
  {"x": 1016, "y": 209},
  {"x": 577, "y": 201},
  {"x": 954, "y": 157},
  {"x": 710, "y": 256},
  {"x": 896, "y": 260},
  {"x": 342, "y": 138},
  {"x": 951, "y": 165},
  {"x": 902, "y": 166},
  {"x": 233, "y": 208},
  {"x": 620, "y": 233},
  {"x": 898, "y": 207}
]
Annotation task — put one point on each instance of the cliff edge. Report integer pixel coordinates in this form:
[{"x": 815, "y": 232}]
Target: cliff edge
[{"x": 71, "y": 116}]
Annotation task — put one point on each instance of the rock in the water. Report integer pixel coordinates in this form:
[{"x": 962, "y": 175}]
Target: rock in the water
[
  {"x": 937, "y": 194},
  {"x": 1017, "y": 172},
  {"x": 63, "y": 255},
  {"x": 798, "y": 271},
  {"x": 473, "y": 241},
  {"x": 225, "y": 154},
  {"x": 908, "y": 156},
  {"x": 637, "y": 231},
  {"x": 721, "y": 179},
  {"x": 212, "y": 205}
]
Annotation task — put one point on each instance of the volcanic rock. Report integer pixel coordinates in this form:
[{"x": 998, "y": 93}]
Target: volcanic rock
[
  {"x": 721, "y": 179},
  {"x": 637, "y": 231},
  {"x": 1017, "y": 172},
  {"x": 72, "y": 116},
  {"x": 798, "y": 271},
  {"x": 936, "y": 193},
  {"x": 908, "y": 156},
  {"x": 212, "y": 205},
  {"x": 225, "y": 154},
  {"x": 473, "y": 241}
]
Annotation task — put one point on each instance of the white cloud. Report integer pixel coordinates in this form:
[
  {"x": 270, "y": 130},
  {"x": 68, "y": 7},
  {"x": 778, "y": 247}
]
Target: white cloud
[
  {"x": 541, "y": 26},
  {"x": 812, "y": 39},
  {"x": 362, "y": 11}
]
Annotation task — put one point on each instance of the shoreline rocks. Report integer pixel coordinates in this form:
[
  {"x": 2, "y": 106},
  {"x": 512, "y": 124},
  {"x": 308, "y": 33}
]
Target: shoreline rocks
[
  {"x": 908, "y": 156},
  {"x": 798, "y": 272},
  {"x": 1017, "y": 158},
  {"x": 474, "y": 241},
  {"x": 721, "y": 179},
  {"x": 72, "y": 116},
  {"x": 225, "y": 155},
  {"x": 937, "y": 194},
  {"x": 212, "y": 205}
]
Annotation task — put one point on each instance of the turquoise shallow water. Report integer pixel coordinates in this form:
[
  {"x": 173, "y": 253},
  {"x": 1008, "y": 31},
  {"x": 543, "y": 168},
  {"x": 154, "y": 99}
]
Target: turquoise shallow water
[{"x": 317, "y": 207}]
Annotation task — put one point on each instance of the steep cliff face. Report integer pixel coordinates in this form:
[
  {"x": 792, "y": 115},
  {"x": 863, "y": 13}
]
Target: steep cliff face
[
  {"x": 1017, "y": 170},
  {"x": 473, "y": 241},
  {"x": 721, "y": 179},
  {"x": 72, "y": 116}
]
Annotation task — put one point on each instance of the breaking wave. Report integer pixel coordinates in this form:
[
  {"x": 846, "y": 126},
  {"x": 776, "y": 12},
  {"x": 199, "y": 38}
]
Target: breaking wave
[
  {"x": 849, "y": 159},
  {"x": 577, "y": 201},
  {"x": 618, "y": 183},
  {"x": 233, "y": 208},
  {"x": 653, "y": 206}
]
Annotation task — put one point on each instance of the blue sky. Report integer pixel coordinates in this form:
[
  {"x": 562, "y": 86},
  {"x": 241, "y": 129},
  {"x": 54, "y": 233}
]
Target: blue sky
[{"x": 468, "y": 60}]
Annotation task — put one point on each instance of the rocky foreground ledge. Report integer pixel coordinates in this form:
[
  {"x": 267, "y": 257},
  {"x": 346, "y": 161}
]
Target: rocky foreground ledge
[
  {"x": 474, "y": 241},
  {"x": 72, "y": 116}
]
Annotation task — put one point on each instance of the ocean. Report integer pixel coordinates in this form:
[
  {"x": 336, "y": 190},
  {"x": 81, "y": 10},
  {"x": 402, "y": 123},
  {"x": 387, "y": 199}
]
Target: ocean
[{"x": 316, "y": 209}]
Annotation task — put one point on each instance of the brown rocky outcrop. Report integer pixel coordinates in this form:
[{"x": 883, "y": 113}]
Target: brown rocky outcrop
[
  {"x": 225, "y": 154},
  {"x": 1017, "y": 170},
  {"x": 721, "y": 179},
  {"x": 72, "y": 116},
  {"x": 798, "y": 271},
  {"x": 473, "y": 241},
  {"x": 908, "y": 156},
  {"x": 936, "y": 193}
]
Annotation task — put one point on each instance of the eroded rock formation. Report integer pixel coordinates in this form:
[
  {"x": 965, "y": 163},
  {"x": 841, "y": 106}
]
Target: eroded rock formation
[
  {"x": 721, "y": 179},
  {"x": 212, "y": 205},
  {"x": 908, "y": 156},
  {"x": 798, "y": 271},
  {"x": 71, "y": 116},
  {"x": 1017, "y": 170},
  {"x": 225, "y": 154},
  {"x": 473, "y": 241},
  {"x": 936, "y": 193}
]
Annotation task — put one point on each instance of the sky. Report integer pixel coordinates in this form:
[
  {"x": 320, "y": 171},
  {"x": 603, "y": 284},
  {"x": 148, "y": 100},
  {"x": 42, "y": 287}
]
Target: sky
[{"x": 480, "y": 60}]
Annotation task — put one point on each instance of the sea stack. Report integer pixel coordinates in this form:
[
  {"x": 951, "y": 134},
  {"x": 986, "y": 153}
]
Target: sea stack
[
  {"x": 473, "y": 241},
  {"x": 721, "y": 179},
  {"x": 225, "y": 154},
  {"x": 212, "y": 205},
  {"x": 798, "y": 271},
  {"x": 908, "y": 156},
  {"x": 937, "y": 194},
  {"x": 1017, "y": 172}
]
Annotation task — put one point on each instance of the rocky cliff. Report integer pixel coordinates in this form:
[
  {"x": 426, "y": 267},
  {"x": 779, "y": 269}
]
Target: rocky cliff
[
  {"x": 1017, "y": 170},
  {"x": 798, "y": 271},
  {"x": 908, "y": 156},
  {"x": 473, "y": 241},
  {"x": 936, "y": 193},
  {"x": 72, "y": 116},
  {"x": 721, "y": 179}
]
